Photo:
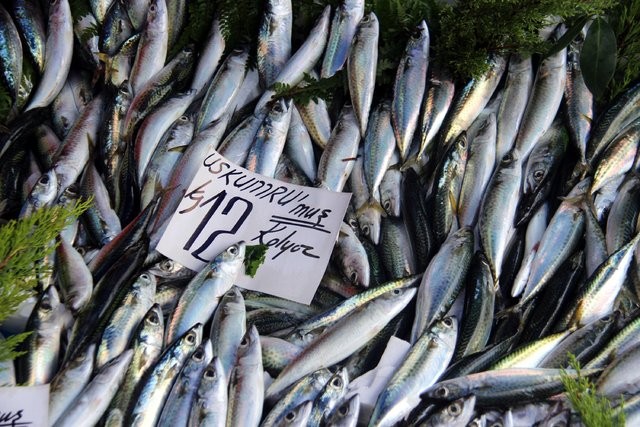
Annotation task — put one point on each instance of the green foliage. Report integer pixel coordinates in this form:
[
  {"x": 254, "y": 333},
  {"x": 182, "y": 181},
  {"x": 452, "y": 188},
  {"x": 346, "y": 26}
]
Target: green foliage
[
  {"x": 23, "y": 243},
  {"x": 598, "y": 57},
  {"x": 624, "y": 19},
  {"x": 9, "y": 344},
  {"x": 471, "y": 29},
  {"x": 199, "y": 18},
  {"x": 79, "y": 8},
  {"x": 239, "y": 21},
  {"x": 254, "y": 256},
  {"x": 311, "y": 89},
  {"x": 594, "y": 410}
]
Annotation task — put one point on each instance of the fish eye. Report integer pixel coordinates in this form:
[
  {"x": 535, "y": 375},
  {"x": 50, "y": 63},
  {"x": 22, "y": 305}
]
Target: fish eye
[
  {"x": 365, "y": 229},
  {"x": 184, "y": 118},
  {"x": 44, "y": 179},
  {"x": 244, "y": 342},
  {"x": 191, "y": 338},
  {"x": 291, "y": 416},
  {"x": 353, "y": 277},
  {"x": 210, "y": 373},
  {"x": 353, "y": 223},
  {"x": 46, "y": 304},
  {"x": 454, "y": 409},
  {"x": 152, "y": 8},
  {"x": 278, "y": 108},
  {"x": 166, "y": 265},
  {"x": 336, "y": 382},
  {"x": 154, "y": 319},
  {"x": 507, "y": 158},
  {"x": 233, "y": 250},
  {"x": 198, "y": 355},
  {"x": 538, "y": 174},
  {"x": 365, "y": 19},
  {"x": 448, "y": 322},
  {"x": 145, "y": 276},
  {"x": 387, "y": 205},
  {"x": 441, "y": 392},
  {"x": 396, "y": 291},
  {"x": 343, "y": 410}
]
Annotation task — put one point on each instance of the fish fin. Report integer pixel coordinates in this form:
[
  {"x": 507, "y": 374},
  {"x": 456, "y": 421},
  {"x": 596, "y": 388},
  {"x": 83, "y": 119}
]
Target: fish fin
[
  {"x": 454, "y": 205},
  {"x": 103, "y": 57},
  {"x": 177, "y": 149},
  {"x": 587, "y": 118}
]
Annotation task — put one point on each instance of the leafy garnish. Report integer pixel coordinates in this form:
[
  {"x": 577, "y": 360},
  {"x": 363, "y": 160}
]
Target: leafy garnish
[
  {"x": 594, "y": 410},
  {"x": 198, "y": 21},
  {"x": 254, "y": 256},
  {"x": 310, "y": 89},
  {"x": 23, "y": 244}
]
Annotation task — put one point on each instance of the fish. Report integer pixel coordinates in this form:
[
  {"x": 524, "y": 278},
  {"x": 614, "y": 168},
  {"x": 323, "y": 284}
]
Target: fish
[
  {"x": 361, "y": 67},
  {"x": 58, "y": 53},
  {"x": 201, "y": 296},
  {"x": 409, "y": 87},
  {"x": 274, "y": 40}
]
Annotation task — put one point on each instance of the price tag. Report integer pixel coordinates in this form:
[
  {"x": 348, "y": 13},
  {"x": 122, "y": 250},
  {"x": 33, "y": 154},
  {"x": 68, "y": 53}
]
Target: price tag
[
  {"x": 226, "y": 203},
  {"x": 24, "y": 406}
]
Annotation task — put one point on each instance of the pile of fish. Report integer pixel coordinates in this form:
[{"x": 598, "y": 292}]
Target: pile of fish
[{"x": 493, "y": 224}]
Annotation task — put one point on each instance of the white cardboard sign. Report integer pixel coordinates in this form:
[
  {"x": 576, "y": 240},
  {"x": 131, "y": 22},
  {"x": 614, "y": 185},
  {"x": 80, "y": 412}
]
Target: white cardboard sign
[
  {"x": 226, "y": 203},
  {"x": 24, "y": 406}
]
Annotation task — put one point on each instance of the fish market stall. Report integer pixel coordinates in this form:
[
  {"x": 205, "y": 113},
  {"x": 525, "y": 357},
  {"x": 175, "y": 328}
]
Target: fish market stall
[{"x": 310, "y": 213}]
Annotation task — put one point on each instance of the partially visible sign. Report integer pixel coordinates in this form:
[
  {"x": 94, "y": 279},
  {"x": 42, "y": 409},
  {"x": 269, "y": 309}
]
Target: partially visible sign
[
  {"x": 24, "y": 406},
  {"x": 226, "y": 203}
]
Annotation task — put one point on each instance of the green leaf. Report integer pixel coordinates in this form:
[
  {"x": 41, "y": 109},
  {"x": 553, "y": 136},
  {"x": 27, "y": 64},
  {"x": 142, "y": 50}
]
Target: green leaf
[
  {"x": 594, "y": 410},
  {"x": 568, "y": 36},
  {"x": 598, "y": 56},
  {"x": 254, "y": 256}
]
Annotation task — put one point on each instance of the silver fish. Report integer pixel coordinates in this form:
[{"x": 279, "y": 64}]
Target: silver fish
[
  {"x": 58, "y": 54},
  {"x": 94, "y": 399},
  {"x": 246, "y": 383},
  {"x": 339, "y": 156},
  {"x": 153, "y": 46},
  {"x": 422, "y": 366},
  {"x": 200, "y": 298},
  {"x": 409, "y": 87},
  {"x": 516, "y": 95},
  {"x": 342, "y": 338},
  {"x": 361, "y": 68},
  {"x": 274, "y": 40},
  {"x": 156, "y": 385},
  {"x": 270, "y": 139},
  {"x": 343, "y": 27},
  {"x": 442, "y": 281}
]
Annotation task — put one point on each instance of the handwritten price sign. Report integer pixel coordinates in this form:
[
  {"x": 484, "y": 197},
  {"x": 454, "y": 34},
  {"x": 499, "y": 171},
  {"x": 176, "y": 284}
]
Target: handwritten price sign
[
  {"x": 226, "y": 203},
  {"x": 24, "y": 406}
]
